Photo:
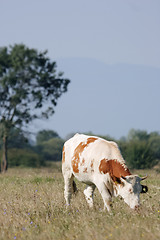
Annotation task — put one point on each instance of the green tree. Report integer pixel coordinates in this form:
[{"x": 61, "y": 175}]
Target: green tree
[
  {"x": 154, "y": 143},
  {"x": 16, "y": 139},
  {"x": 49, "y": 145},
  {"x": 141, "y": 149},
  {"x": 136, "y": 135},
  {"x": 29, "y": 89},
  {"x": 139, "y": 155},
  {"x": 45, "y": 135},
  {"x": 52, "y": 149},
  {"x": 24, "y": 158}
]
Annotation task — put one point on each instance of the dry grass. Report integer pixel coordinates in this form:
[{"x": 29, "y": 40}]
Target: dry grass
[{"x": 32, "y": 207}]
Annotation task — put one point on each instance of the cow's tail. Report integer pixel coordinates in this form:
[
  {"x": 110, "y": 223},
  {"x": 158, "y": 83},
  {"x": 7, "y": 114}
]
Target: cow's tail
[{"x": 75, "y": 190}]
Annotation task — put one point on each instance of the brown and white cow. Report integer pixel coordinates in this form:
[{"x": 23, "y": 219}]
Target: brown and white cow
[{"x": 99, "y": 163}]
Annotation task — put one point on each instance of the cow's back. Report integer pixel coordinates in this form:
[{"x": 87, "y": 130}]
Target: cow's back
[
  {"x": 70, "y": 146},
  {"x": 83, "y": 154}
]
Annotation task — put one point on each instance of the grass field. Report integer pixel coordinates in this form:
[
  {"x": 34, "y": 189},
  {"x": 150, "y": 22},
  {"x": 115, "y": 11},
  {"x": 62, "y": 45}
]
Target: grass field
[{"x": 32, "y": 206}]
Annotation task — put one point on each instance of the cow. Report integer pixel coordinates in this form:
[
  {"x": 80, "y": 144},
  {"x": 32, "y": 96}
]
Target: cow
[{"x": 99, "y": 163}]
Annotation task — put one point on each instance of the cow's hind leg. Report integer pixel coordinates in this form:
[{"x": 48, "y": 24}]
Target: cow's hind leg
[
  {"x": 69, "y": 187},
  {"x": 106, "y": 195},
  {"x": 88, "y": 192}
]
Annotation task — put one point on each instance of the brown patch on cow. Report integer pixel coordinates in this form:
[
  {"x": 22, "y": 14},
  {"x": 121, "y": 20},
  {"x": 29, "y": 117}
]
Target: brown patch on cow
[
  {"x": 75, "y": 165},
  {"x": 92, "y": 163},
  {"x": 92, "y": 169},
  {"x": 63, "y": 156},
  {"x": 114, "y": 168},
  {"x": 83, "y": 162},
  {"x": 78, "y": 151},
  {"x": 91, "y": 140},
  {"x": 75, "y": 160}
]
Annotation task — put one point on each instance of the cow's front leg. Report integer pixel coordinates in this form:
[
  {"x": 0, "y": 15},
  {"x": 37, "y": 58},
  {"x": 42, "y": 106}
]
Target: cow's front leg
[
  {"x": 88, "y": 192},
  {"x": 106, "y": 195}
]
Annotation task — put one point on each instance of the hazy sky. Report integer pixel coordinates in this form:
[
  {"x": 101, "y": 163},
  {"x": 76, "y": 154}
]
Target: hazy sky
[{"x": 90, "y": 33}]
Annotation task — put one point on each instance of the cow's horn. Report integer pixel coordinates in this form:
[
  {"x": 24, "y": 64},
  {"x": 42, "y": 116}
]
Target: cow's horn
[{"x": 143, "y": 178}]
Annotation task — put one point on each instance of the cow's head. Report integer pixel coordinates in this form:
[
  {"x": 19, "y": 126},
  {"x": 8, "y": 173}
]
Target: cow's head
[{"x": 130, "y": 190}]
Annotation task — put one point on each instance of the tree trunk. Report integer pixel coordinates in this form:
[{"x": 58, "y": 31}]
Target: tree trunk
[{"x": 4, "y": 161}]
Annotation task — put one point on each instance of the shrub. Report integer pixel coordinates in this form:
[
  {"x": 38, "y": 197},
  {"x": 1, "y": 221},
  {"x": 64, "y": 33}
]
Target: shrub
[{"x": 24, "y": 157}]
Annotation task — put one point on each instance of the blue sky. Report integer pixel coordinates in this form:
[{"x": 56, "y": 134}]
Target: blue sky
[{"x": 109, "y": 49}]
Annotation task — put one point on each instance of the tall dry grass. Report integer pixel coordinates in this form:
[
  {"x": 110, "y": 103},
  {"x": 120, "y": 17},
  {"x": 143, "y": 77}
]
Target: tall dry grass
[{"x": 32, "y": 206}]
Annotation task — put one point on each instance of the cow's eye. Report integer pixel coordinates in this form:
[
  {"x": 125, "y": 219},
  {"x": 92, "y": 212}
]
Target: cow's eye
[{"x": 130, "y": 190}]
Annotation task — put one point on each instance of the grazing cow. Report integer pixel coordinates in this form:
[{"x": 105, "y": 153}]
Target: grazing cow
[{"x": 99, "y": 163}]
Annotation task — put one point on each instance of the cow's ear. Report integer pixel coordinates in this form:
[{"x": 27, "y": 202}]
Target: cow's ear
[
  {"x": 124, "y": 178},
  {"x": 144, "y": 189},
  {"x": 118, "y": 180}
]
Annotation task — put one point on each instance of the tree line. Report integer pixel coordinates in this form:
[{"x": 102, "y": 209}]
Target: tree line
[
  {"x": 140, "y": 149},
  {"x": 28, "y": 153},
  {"x": 30, "y": 87}
]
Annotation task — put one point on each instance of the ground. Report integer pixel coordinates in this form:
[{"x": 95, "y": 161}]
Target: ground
[{"x": 33, "y": 207}]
